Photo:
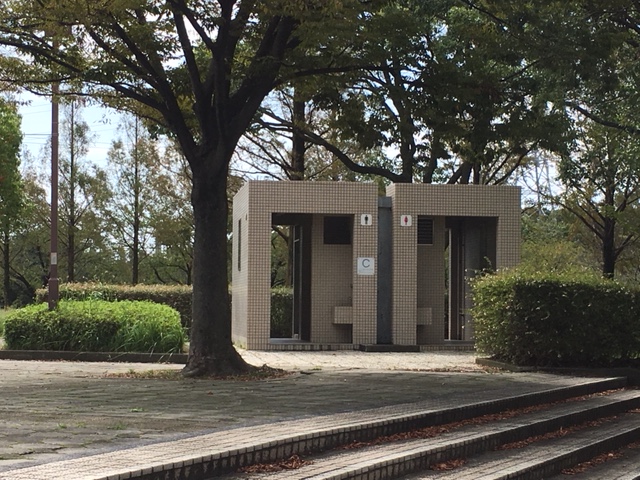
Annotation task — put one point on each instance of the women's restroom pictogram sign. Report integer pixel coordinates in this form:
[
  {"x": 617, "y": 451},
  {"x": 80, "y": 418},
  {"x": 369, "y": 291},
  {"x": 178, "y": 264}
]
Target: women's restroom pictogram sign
[{"x": 406, "y": 220}]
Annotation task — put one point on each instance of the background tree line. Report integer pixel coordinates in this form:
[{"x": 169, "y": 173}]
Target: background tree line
[{"x": 124, "y": 220}]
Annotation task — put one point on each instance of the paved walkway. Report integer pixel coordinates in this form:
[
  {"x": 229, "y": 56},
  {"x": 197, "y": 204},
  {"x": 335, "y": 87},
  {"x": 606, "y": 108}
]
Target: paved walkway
[{"x": 51, "y": 411}]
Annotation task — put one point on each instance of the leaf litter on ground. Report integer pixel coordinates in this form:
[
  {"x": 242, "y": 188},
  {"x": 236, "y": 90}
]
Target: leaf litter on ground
[{"x": 258, "y": 373}]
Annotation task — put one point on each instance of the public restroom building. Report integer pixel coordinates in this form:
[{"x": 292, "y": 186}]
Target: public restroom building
[{"x": 369, "y": 272}]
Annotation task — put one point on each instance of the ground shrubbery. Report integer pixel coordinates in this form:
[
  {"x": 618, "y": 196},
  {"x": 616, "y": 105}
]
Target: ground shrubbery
[
  {"x": 175, "y": 296},
  {"x": 3, "y": 314},
  {"x": 281, "y": 312},
  {"x": 556, "y": 319},
  {"x": 95, "y": 326}
]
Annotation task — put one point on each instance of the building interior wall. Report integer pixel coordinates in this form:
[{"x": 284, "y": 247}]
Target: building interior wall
[
  {"x": 430, "y": 287},
  {"x": 331, "y": 286}
]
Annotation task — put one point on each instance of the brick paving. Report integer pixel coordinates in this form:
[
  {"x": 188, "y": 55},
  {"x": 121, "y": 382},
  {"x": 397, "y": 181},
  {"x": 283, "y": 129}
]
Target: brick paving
[{"x": 69, "y": 420}]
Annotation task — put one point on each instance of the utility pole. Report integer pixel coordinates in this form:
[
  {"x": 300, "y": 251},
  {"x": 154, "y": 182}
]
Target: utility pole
[{"x": 53, "y": 262}]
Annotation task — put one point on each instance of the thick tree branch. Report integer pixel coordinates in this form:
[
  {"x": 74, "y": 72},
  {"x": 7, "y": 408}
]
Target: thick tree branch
[
  {"x": 607, "y": 123},
  {"x": 190, "y": 59},
  {"x": 339, "y": 154}
]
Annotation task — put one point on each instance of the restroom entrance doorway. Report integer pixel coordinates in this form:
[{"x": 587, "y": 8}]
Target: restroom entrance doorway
[
  {"x": 470, "y": 250},
  {"x": 298, "y": 313}
]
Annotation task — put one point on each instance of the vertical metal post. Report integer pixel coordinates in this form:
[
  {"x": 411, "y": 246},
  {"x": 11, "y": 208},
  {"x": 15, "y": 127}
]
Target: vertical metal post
[
  {"x": 53, "y": 263},
  {"x": 384, "y": 335}
]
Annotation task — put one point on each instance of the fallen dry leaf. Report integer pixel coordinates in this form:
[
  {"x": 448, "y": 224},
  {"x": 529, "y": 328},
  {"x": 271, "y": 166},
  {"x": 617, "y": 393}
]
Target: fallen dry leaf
[
  {"x": 448, "y": 465},
  {"x": 600, "y": 459},
  {"x": 292, "y": 463}
]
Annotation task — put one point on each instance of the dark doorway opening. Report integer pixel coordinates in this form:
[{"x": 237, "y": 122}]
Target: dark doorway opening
[
  {"x": 293, "y": 321},
  {"x": 470, "y": 248}
]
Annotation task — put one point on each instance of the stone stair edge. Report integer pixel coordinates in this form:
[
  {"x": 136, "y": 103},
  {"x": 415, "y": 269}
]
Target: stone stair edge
[
  {"x": 260, "y": 451},
  {"x": 394, "y": 463},
  {"x": 548, "y": 458},
  {"x": 424, "y": 418}
]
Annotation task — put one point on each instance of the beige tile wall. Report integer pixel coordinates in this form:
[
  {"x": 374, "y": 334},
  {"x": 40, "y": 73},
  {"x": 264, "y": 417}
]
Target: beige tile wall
[
  {"x": 331, "y": 286},
  {"x": 418, "y": 271},
  {"x": 409, "y": 281},
  {"x": 239, "y": 277},
  {"x": 256, "y": 202}
]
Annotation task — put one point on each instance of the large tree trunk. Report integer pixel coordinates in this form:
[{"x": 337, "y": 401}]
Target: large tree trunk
[
  {"x": 298, "y": 144},
  {"x": 211, "y": 350}
]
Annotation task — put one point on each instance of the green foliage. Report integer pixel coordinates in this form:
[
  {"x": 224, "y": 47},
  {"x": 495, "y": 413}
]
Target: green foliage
[
  {"x": 11, "y": 196},
  {"x": 96, "y": 326},
  {"x": 11, "y": 200},
  {"x": 177, "y": 297},
  {"x": 602, "y": 187},
  {"x": 547, "y": 247},
  {"x": 556, "y": 319},
  {"x": 136, "y": 194},
  {"x": 83, "y": 194},
  {"x": 560, "y": 256},
  {"x": 3, "y": 315},
  {"x": 281, "y": 312}
]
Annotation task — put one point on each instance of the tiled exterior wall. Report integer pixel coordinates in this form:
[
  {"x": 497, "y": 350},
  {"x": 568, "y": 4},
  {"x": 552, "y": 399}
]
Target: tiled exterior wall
[
  {"x": 239, "y": 276},
  {"x": 256, "y": 202},
  {"x": 417, "y": 273},
  {"x": 442, "y": 201}
]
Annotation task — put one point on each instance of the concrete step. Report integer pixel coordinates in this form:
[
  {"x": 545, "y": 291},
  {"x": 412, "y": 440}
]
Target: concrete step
[
  {"x": 549, "y": 457},
  {"x": 622, "y": 464},
  {"x": 214, "y": 454},
  {"x": 401, "y": 458}
]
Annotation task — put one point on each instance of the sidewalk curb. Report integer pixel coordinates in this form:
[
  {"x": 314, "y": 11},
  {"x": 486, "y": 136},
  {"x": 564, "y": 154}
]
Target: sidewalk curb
[
  {"x": 632, "y": 374},
  {"x": 94, "y": 356}
]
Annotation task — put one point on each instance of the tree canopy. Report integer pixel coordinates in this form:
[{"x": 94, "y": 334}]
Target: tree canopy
[
  {"x": 11, "y": 197},
  {"x": 448, "y": 90},
  {"x": 199, "y": 70}
]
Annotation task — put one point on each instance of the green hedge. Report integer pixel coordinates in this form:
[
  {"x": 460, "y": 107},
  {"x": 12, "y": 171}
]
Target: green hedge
[
  {"x": 177, "y": 297},
  {"x": 281, "y": 312},
  {"x": 96, "y": 326},
  {"x": 556, "y": 320}
]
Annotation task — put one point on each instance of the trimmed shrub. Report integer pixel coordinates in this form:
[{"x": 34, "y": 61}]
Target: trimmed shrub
[
  {"x": 3, "y": 314},
  {"x": 556, "y": 320},
  {"x": 96, "y": 326},
  {"x": 281, "y": 312},
  {"x": 177, "y": 297}
]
